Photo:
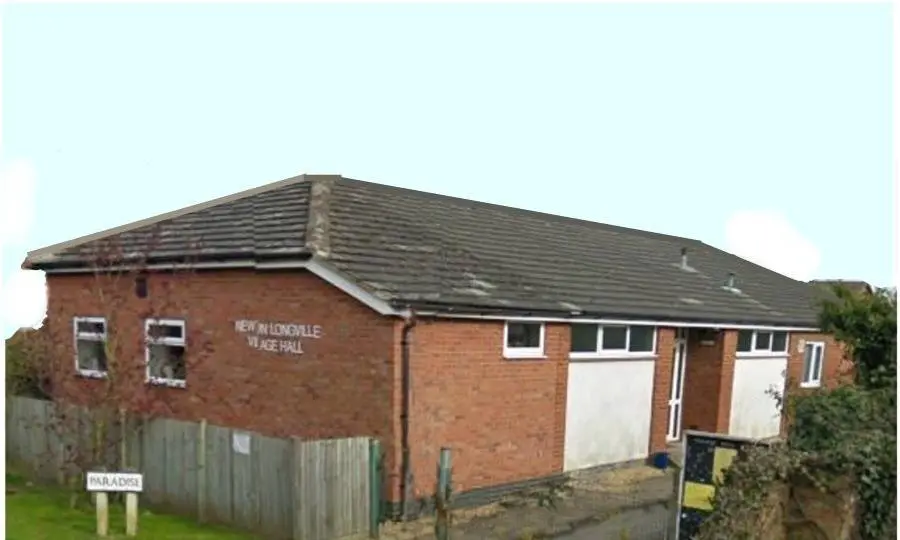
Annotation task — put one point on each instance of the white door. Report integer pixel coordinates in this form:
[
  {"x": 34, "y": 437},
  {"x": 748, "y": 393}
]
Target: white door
[{"x": 675, "y": 397}]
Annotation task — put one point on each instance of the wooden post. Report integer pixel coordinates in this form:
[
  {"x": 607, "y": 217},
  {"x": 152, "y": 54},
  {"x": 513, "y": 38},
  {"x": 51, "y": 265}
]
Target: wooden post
[
  {"x": 442, "y": 497},
  {"x": 201, "y": 472},
  {"x": 102, "y": 513},
  {"x": 374, "y": 488},
  {"x": 131, "y": 513}
]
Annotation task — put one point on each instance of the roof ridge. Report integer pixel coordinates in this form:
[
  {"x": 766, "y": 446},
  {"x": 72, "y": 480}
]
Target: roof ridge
[
  {"x": 48, "y": 253},
  {"x": 318, "y": 221}
]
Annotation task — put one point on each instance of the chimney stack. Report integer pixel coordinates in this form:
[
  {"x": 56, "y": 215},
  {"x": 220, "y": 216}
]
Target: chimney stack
[{"x": 684, "y": 259}]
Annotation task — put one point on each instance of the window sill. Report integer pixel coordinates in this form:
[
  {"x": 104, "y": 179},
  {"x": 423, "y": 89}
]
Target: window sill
[
  {"x": 783, "y": 354},
  {"x": 536, "y": 356},
  {"x": 811, "y": 385},
  {"x": 171, "y": 383},
  {"x": 91, "y": 374},
  {"x": 613, "y": 356}
]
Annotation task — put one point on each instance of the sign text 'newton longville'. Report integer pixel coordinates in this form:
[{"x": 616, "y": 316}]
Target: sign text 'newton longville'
[{"x": 277, "y": 337}]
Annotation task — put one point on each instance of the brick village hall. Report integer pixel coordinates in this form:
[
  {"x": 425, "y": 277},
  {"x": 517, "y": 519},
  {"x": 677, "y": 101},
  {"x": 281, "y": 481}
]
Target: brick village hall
[{"x": 529, "y": 343}]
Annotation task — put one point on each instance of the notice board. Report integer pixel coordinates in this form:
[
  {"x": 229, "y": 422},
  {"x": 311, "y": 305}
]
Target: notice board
[{"x": 706, "y": 458}]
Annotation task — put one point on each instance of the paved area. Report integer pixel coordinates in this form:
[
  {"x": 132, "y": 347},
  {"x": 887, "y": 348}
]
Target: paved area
[
  {"x": 618, "y": 504},
  {"x": 647, "y": 523}
]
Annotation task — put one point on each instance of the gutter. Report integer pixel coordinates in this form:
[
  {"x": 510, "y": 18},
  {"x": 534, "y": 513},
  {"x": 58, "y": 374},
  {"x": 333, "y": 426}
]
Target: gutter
[{"x": 406, "y": 478}]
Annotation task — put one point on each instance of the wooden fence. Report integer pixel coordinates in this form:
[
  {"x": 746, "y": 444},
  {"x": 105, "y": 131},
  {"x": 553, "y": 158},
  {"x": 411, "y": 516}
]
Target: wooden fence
[{"x": 283, "y": 488}]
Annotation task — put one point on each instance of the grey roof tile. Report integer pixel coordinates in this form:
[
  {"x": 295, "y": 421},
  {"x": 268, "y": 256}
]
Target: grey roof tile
[{"x": 433, "y": 251}]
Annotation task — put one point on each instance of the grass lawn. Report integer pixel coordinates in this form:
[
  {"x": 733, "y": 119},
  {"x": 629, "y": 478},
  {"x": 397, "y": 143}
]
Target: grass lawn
[{"x": 43, "y": 513}]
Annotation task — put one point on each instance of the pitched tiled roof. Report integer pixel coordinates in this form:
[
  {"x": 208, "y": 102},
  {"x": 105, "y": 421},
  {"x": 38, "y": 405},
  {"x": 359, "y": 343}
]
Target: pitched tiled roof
[{"x": 430, "y": 251}]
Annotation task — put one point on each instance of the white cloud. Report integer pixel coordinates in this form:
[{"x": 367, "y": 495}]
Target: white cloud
[
  {"x": 23, "y": 293},
  {"x": 769, "y": 239},
  {"x": 23, "y": 300}
]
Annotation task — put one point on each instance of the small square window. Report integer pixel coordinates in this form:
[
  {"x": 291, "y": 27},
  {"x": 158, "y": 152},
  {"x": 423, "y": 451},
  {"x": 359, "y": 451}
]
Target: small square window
[
  {"x": 166, "y": 359},
  {"x": 584, "y": 338},
  {"x": 763, "y": 341},
  {"x": 779, "y": 342},
  {"x": 523, "y": 335},
  {"x": 615, "y": 338},
  {"x": 91, "y": 355},
  {"x": 745, "y": 341},
  {"x": 167, "y": 362},
  {"x": 640, "y": 338},
  {"x": 523, "y": 340}
]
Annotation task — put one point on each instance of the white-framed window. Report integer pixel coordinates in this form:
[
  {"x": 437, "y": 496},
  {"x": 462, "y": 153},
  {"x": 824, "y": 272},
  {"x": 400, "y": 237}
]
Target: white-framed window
[
  {"x": 592, "y": 340},
  {"x": 813, "y": 358},
  {"x": 90, "y": 346},
  {"x": 523, "y": 339},
  {"x": 165, "y": 352},
  {"x": 762, "y": 343}
]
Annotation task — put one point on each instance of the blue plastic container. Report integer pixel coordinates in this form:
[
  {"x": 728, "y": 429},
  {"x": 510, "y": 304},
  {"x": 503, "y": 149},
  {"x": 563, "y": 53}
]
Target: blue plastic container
[{"x": 661, "y": 460}]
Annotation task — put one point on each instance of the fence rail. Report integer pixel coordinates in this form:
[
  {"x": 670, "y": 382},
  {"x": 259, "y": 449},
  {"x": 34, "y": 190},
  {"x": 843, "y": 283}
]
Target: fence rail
[{"x": 283, "y": 488}]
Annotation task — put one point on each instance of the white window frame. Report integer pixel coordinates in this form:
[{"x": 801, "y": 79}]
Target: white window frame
[
  {"x": 765, "y": 353},
  {"x": 523, "y": 352},
  {"x": 617, "y": 353},
  {"x": 176, "y": 342},
  {"x": 89, "y": 336},
  {"x": 816, "y": 378}
]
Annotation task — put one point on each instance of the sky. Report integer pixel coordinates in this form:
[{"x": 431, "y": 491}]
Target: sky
[{"x": 761, "y": 129}]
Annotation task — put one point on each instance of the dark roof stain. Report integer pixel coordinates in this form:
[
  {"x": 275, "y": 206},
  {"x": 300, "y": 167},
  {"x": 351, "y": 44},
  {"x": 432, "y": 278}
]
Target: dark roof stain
[{"x": 432, "y": 251}]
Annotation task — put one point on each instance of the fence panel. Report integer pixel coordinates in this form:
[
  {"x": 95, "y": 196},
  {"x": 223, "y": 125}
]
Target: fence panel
[
  {"x": 218, "y": 474},
  {"x": 283, "y": 488},
  {"x": 245, "y": 483},
  {"x": 277, "y": 499}
]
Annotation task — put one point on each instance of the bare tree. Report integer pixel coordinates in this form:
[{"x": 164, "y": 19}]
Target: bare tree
[{"x": 109, "y": 364}]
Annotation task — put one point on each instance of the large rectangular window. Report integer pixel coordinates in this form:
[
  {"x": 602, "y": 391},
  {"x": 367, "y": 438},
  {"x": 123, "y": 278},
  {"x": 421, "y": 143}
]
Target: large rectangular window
[
  {"x": 523, "y": 339},
  {"x": 611, "y": 340},
  {"x": 762, "y": 342},
  {"x": 165, "y": 352},
  {"x": 813, "y": 358},
  {"x": 90, "y": 346}
]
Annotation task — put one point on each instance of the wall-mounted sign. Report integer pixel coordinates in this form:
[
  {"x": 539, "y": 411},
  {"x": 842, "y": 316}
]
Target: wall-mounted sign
[
  {"x": 277, "y": 337},
  {"x": 240, "y": 442}
]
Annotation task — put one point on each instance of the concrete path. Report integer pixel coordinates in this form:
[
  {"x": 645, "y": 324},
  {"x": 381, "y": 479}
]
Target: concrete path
[{"x": 639, "y": 524}]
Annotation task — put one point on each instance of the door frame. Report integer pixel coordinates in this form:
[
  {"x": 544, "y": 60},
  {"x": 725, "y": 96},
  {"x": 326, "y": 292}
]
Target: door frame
[{"x": 674, "y": 427}]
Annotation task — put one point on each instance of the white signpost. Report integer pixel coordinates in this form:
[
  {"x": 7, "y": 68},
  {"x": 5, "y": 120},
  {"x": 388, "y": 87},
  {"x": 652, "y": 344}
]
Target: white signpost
[{"x": 102, "y": 483}]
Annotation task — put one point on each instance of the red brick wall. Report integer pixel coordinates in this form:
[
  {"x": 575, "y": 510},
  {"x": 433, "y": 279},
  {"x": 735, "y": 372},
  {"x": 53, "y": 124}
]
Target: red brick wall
[
  {"x": 504, "y": 419},
  {"x": 341, "y": 386},
  {"x": 835, "y": 371},
  {"x": 702, "y": 378},
  {"x": 662, "y": 388}
]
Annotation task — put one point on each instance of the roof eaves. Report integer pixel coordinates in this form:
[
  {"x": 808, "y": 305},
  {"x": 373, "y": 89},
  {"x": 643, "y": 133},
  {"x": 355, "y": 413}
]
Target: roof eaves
[{"x": 512, "y": 312}]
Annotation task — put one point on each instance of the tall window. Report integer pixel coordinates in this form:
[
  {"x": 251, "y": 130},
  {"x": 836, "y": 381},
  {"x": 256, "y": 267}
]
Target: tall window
[
  {"x": 762, "y": 342},
  {"x": 523, "y": 339},
  {"x": 813, "y": 358},
  {"x": 90, "y": 346},
  {"x": 610, "y": 340},
  {"x": 166, "y": 345}
]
